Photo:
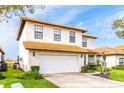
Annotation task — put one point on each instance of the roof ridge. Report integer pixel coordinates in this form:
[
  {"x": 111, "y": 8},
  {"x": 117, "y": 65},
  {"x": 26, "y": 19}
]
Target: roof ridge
[{"x": 109, "y": 50}]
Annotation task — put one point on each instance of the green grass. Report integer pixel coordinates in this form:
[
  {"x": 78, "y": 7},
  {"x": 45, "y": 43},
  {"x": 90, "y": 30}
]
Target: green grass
[
  {"x": 11, "y": 75},
  {"x": 117, "y": 75}
]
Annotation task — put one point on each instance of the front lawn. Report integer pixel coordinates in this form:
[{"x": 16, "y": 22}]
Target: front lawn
[
  {"x": 11, "y": 75},
  {"x": 117, "y": 75}
]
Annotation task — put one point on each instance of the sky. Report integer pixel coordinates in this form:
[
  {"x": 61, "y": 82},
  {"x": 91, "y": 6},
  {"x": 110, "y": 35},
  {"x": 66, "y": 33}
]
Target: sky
[{"x": 96, "y": 19}]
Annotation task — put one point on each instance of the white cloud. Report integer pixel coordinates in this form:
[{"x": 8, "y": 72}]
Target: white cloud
[
  {"x": 80, "y": 24},
  {"x": 48, "y": 12},
  {"x": 71, "y": 13}
]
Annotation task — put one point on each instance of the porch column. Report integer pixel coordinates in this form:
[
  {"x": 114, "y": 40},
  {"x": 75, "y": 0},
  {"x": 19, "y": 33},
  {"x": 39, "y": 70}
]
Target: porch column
[
  {"x": 95, "y": 57},
  {"x": 87, "y": 59}
]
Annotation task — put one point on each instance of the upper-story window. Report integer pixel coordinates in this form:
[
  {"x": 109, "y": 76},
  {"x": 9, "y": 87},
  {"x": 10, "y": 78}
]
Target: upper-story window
[
  {"x": 57, "y": 34},
  {"x": 38, "y": 32},
  {"x": 121, "y": 61},
  {"x": 84, "y": 42},
  {"x": 72, "y": 37}
]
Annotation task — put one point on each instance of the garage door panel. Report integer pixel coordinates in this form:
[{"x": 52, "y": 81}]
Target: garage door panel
[{"x": 58, "y": 64}]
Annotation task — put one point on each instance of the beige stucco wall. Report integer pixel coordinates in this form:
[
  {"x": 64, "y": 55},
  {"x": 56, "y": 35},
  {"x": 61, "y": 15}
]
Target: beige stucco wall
[
  {"x": 23, "y": 53},
  {"x": 89, "y": 43},
  {"x": 112, "y": 60},
  {"x": 117, "y": 57},
  {"x": 48, "y": 35}
]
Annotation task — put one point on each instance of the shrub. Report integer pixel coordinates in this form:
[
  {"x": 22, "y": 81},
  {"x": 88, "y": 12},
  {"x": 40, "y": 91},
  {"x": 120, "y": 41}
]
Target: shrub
[
  {"x": 98, "y": 63},
  {"x": 1, "y": 76},
  {"x": 99, "y": 69},
  {"x": 90, "y": 71},
  {"x": 88, "y": 68},
  {"x": 119, "y": 67},
  {"x": 102, "y": 68},
  {"x": 92, "y": 67},
  {"x": 31, "y": 75},
  {"x": 3, "y": 67},
  {"x": 107, "y": 68},
  {"x": 84, "y": 69},
  {"x": 35, "y": 68}
]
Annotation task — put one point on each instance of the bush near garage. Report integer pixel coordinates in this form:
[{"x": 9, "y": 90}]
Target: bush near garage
[
  {"x": 88, "y": 68},
  {"x": 31, "y": 75},
  {"x": 92, "y": 68},
  {"x": 1, "y": 76},
  {"x": 119, "y": 67},
  {"x": 35, "y": 68}
]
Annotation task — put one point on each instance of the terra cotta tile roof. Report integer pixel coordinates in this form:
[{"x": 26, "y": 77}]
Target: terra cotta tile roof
[
  {"x": 120, "y": 47},
  {"x": 55, "y": 47},
  {"x": 109, "y": 51}
]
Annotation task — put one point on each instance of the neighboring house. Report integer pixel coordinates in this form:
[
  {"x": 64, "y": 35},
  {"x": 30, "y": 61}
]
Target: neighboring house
[
  {"x": 1, "y": 55},
  {"x": 55, "y": 48},
  {"x": 120, "y": 47},
  {"x": 10, "y": 61},
  {"x": 113, "y": 56}
]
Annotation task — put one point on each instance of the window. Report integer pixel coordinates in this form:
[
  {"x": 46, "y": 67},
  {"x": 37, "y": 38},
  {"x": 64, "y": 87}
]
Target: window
[
  {"x": 38, "y": 32},
  {"x": 121, "y": 61},
  {"x": 57, "y": 34},
  {"x": 33, "y": 54},
  {"x": 72, "y": 37},
  {"x": 84, "y": 42}
]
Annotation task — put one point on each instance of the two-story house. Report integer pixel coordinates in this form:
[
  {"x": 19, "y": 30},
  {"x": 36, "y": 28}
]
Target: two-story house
[{"x": 55, "y": 48}]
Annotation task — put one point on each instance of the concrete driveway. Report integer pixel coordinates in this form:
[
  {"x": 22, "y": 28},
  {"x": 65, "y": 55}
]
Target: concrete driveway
[{"x": 82, "y": 80}]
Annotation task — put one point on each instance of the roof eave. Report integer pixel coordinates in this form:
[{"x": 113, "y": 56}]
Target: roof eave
[
  {"x": 22, "y": 23},
  {"x": 49, "y": 23},
  {"x": 60, "y": 50},
  {"x": 109, "y": 54},
  {"x": 2, "y": 51},
  {"x": 94, "y": 37}
]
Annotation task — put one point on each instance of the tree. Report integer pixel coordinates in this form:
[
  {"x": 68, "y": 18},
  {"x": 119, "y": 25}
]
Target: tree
[
  {"x": 118, "y": 25},
  {"x": 8, "y": 11}
]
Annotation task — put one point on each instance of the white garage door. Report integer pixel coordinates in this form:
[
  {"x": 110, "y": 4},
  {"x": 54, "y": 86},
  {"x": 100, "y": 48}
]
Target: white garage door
[{"x": 58, "y": 64}]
